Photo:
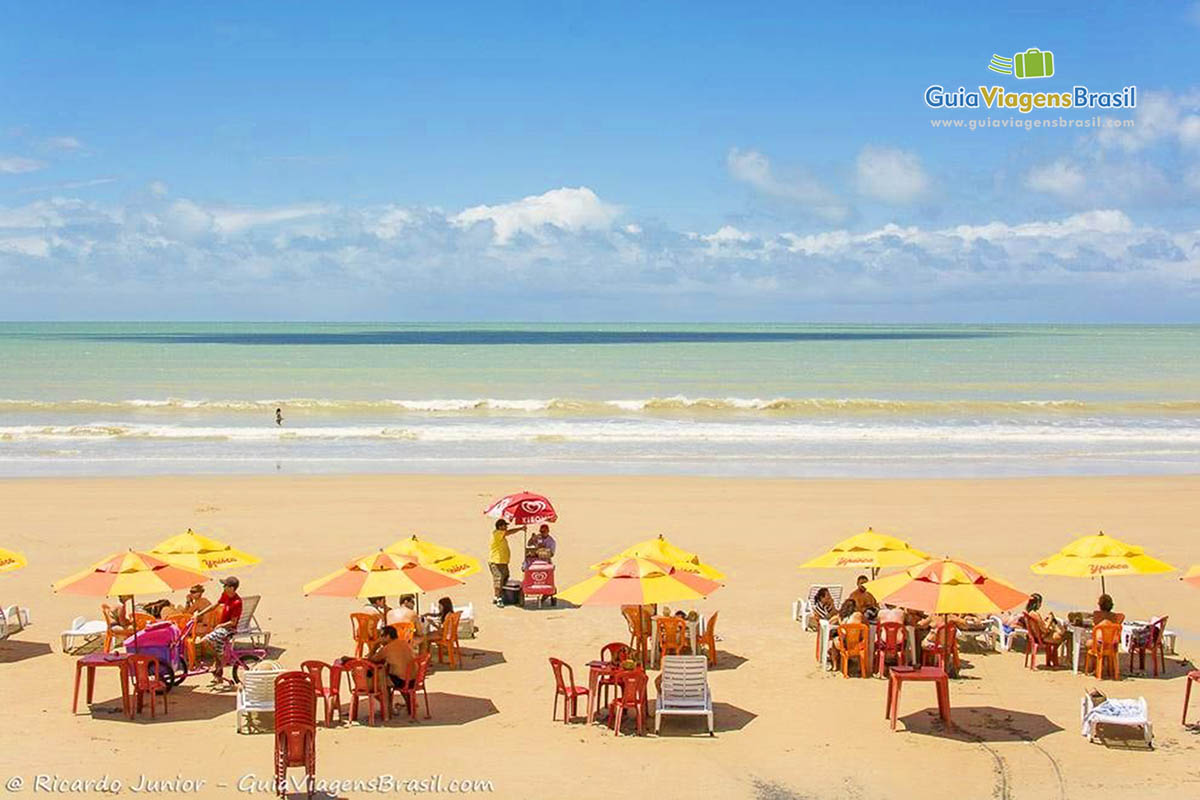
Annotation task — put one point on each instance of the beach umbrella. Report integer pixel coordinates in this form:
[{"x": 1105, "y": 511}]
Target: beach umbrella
[
  {"x": 379, "y": 575},
  {"x": 10, "y": 560},
  {"x": 638, "y": 581},
  {"x": 201, "y": 553},
  {"x": 523, "y": 508},
  {"x": 868, "y": 550},
  {"x": 1100, "y": 556},
  {"x": 1192, "y": 577},
  {"x": 660, "y": 549},
  {"x": 946, "y": 586},
  {"x": 129, "y": 574},
  {"x": 435, "y": 556}
]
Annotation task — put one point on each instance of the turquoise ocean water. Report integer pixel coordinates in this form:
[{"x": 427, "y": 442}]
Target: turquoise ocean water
[{"x": 773, "y": 400}]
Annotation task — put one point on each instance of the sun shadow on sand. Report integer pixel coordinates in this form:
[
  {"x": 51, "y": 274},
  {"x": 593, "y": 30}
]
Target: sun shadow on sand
[
  {"x": 726, "y": 718},
  {"x": 472, "y": 659},
  {"x": 727, "y": 661},
  {"x": 12, "y": 651},
  {"x": 981, "y": 724},
  {"x": 184, "y": 704},
  {"x": 446, "y": 709}
]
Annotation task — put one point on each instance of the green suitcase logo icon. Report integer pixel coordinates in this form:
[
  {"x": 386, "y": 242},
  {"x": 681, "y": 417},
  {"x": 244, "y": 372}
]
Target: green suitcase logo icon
[{"x": 1033, "y": 63}]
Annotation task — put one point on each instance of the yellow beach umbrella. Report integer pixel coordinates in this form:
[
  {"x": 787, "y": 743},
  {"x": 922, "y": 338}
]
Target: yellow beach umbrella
[
  {"x": 638, "y": 581},
  {"x": 129, "y": 573},
  {"x": 379, "y": 575},
  {"x": 201, "y": 553},
  {"x": 1100, "y": 556},
  {"x": 428, "y": 554},
  {"x": 10, "y": 560},
  {"x": 868, "y": 550},
  {"x": 661, "y": 550}
]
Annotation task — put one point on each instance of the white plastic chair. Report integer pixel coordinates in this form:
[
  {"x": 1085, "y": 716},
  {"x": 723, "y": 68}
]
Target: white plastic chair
[
  {"x": 1090, "y": 718},
  {"x": 1001, "y": 639},
  {"x": 256, "y": 692},
  {"x": 466, "y": 622},
  {"x": 248, "y": 628},
  {"x": 684, "y": 690},
  {"x": 83, "y": 635},
  {"x": 803, "y": 609}
]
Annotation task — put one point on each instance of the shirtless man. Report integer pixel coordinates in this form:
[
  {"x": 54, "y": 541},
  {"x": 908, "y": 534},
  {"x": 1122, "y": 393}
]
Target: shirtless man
[{"x": 397, "y": 654}]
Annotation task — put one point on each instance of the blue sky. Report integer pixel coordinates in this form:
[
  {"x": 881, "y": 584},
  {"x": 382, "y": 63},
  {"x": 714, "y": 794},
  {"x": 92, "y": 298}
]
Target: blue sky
[{"x": 578, "y": 161}]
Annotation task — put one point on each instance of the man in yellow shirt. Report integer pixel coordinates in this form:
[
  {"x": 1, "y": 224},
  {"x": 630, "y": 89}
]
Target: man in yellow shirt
[{"x": 499, "y": 556}]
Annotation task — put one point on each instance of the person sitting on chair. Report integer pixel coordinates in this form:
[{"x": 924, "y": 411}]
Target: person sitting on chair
[
  {"x": 1104, "y": 611},
  {"x": 823, "y": 608},
  {"x": 397, "y": 654}
]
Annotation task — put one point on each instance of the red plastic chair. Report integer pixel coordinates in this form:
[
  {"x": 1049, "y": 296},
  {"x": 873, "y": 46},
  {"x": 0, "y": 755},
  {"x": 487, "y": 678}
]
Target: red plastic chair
[
  {"x": 1192, "y": 677},
  {"x": 145, "y": 674},
  {"x": 415, "y": 683},
  {"x": 1153, "y": 645},
  {"x": 566, "y": 689},
  {"x": 295, "y": 729},
  {"x": 366, "y": 683},
  {"x": 852, "y": 643},
  {"x": 331, "y": 692},
  {"x": 890, "y": 641},
  {"x": 612, "y": 653},
  {"x": 632, "y": 683},
  {"x": 1035, "y": 642},
  {"x": 947, "y": 638},
  {"x": 1102, "y": 649}
]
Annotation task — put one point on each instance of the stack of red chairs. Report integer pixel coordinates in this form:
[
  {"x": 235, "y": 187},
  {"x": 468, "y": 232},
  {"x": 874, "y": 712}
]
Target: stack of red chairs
[{"x": 295, "y": 729}]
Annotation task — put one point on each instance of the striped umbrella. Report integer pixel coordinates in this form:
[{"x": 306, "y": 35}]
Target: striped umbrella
[
  {"x": 379, "y": 575},
  {"x": 660, "y": 549},
  {"x": 202, "y": 553},
  {"x": 129, "y": 573},
  {"x": 10, "y": 560},
  {"x": 638, "y": 581},
  {"x": 946, "y": 586},
  {"x": 1192, "y": 577}
]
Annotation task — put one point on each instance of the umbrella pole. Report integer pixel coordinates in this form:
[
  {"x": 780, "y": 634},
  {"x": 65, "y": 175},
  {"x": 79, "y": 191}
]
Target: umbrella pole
[{"x": 1102, "y": 589}]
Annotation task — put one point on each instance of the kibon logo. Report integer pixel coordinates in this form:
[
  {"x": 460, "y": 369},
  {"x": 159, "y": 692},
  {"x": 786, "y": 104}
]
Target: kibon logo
[{"x": 1033, "y": 63}]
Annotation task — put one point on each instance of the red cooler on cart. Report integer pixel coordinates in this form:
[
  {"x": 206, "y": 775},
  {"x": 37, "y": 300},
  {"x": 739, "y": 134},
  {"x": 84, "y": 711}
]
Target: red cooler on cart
[{"x": 538, "y": 582}]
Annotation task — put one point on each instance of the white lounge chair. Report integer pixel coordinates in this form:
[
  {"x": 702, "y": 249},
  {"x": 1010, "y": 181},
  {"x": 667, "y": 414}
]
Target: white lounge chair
[
  {"x": 684, "y": 690},
  {"x": 248, "y": 628},
  {"x": 466, "y": 622},
  {"x": 13, "y": 619},
  {"x": 802, "y": 609},
  {"x": 84, "y": 636},
  {"x": 1126, "y": 713},
  {"x": 1002, "y": 638},
  {"x": 256, "y": 693}
]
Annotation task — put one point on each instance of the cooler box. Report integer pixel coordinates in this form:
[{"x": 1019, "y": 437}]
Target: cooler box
[{"x": 539, "y": 581}]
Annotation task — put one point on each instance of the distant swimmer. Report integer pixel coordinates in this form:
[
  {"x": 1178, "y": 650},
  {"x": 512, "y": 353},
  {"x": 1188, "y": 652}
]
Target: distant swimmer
[{"x": 279, "y": 416}]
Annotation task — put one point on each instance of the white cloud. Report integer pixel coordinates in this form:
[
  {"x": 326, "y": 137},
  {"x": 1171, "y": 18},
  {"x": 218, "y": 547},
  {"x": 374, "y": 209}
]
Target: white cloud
[
  {"x": 754, "y": 169},
  {"x": 567, "y": 209},
  {"x": 233, "y": 220},
  {"x": 1059, "y": 178},
  {"x": 15, "y": 165},
  {"x": 64, "y": 143},
  {"x": 158, "y": 188},
  {"x": 891, "y": 175},
  {"x": 1159, "y": 117}
]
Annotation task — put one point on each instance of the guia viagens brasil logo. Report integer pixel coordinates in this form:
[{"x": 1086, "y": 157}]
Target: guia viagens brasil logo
[{"x": 1030, "y": 64}]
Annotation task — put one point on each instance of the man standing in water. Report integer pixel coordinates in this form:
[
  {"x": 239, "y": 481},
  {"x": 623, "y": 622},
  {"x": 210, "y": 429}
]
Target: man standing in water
[{"x": 279, "y": 417}]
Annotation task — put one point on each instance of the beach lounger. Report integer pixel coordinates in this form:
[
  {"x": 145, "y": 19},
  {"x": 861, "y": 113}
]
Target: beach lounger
[
  {"x": 84, "y": 636},
  {"x": 248, "y": 628},
  {"x": 684, "y": 690},
  {"x": 466, "y": 622},
  {"x": 256, "y": 692},
  {"x": 802, "y": 609},
  {"x": 1001, "y": 636},
  {"x": 1127, "y": 713},
  {"x": 13, "y": 619}
]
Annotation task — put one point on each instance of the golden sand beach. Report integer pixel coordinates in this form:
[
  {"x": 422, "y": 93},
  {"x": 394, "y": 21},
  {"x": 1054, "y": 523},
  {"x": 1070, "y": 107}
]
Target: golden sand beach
[{"x": 785, "y": 728}]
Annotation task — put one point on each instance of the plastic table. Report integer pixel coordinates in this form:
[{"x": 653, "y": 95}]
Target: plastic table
[
  {"x": 935, "y": 675},
  {"x": 91, "y": 663},
  {"x": 596, "y": 669}
]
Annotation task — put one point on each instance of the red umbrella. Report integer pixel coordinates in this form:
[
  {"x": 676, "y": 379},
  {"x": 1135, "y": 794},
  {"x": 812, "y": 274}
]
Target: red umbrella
[{"x": 524, "y": 508}]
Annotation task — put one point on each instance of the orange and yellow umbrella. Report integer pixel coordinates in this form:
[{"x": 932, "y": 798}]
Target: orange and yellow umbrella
[
  {"x": 638, "y": 581},
  {"x": 201, "y": 553},
  {"x": 379, "y": 575},
  {"x": 868, "y": 550},
  {"x": 129, "y": 573},
  {"x": 1100, "y": 556},
  {"x": 435, "y": 556},
  {"x": 660, "y": 549},
  {"x": 946, "y": 586},
  {"x": 11, "y": 560},
  {"x": 1192, "y": 577}
]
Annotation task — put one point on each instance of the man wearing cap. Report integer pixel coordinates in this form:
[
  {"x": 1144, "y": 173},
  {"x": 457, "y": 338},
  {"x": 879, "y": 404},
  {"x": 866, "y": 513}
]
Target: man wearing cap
[{"x": 229, "y": 613}]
